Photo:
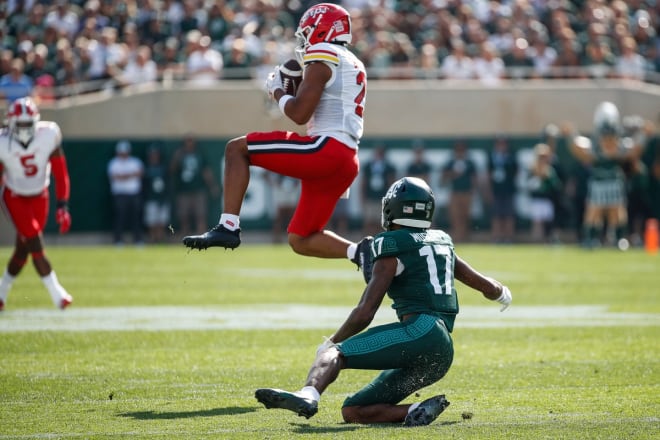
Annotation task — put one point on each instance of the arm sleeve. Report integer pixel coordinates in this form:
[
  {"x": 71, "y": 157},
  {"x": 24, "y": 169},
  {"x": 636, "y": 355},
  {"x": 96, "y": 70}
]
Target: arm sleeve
[{"x": 62, "y": 183}]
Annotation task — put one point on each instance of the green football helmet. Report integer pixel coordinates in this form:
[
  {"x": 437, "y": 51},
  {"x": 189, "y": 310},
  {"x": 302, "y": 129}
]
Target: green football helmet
[{"x": 408, "y": 202}]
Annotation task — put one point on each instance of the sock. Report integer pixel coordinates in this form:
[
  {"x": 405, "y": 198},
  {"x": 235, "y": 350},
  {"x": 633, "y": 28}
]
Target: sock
[
  {"x": 350, "y": 252},
  {"x": 309, "y": 392},
  {"x": 413, "y": 407},
  {"x": 5, "y": 285},
  {"x": 230, "y": 221},
  {"x": 620, "y": 232},
  {"x": 57, "y": 292}
]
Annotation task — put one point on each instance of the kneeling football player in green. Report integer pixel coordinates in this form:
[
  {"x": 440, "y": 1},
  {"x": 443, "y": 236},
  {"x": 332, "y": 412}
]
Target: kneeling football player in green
[{"x": 416, "y": 266}]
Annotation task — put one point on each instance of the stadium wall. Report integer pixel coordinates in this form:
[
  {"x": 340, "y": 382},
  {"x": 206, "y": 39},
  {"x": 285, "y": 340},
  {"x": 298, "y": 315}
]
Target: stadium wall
[{"x": 394, "y": 108}]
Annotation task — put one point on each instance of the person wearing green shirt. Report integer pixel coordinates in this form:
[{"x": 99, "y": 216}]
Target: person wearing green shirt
[{"x": 416, "y": 267}]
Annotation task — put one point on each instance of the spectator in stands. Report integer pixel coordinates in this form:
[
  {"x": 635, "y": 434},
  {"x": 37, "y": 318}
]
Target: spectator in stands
[
  {"x": 542, "y": 55},
  {"x": 598, "y": 60},
  {"x": 203, "y": 64},
  {"x": 239, "y": 60},
  {"x": 140, "y": 70},
  {"x": 488, "y": 66},
  {"x": 169, "y": 59},
  {"x": 568, "y": 55},
  {"x": 218, "y": 23},
  {"x": 92, "y": 20},
  {"x": 106, "y": 56},
  {"x": 457, "y": 65},
  {"x": 460, "y": 175},
  {"x": 519, "y": 64},
  {"x": 630, "y": 64},
  {"x": 6, "y": 58},
  {"x": 15, "y": 84},
  {"x": 502, "y": 173},
  {"x": 125, "y": 173},
  {"x": 63, "y": 18},
  {"x": 34, "y": 28}
]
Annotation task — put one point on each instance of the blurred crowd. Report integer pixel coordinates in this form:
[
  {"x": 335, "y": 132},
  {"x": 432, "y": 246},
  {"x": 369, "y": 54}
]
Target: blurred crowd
[{"x": 54, "y": 48}]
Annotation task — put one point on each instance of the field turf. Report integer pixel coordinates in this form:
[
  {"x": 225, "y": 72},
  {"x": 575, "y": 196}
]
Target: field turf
[{"x": 162, "y": 343}]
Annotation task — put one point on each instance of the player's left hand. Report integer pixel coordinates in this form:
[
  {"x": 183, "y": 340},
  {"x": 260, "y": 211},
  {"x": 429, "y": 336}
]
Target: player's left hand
[
  {"x": 63, "y": 218},
  {"x": 505, "y": 298},
  {"x": 274, "y": 81}
]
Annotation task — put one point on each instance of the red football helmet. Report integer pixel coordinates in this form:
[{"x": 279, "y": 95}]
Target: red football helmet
[
  {"x": 324, "y": 23},
  {"x": 22, "y": 117}
]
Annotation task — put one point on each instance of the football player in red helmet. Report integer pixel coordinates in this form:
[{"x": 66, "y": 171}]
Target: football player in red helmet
[
  {"x": 29, "y": 150},
  {"x": 330, "y": 101}
]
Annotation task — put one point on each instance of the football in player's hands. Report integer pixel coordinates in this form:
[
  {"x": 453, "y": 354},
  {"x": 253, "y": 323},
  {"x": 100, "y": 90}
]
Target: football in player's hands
[{"x": 291, "y": 74}]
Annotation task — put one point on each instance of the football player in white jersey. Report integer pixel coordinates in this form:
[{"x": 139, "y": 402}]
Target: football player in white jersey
[
  {"x": 330, "y": 100},
  {"x": 29, "y": 150}
]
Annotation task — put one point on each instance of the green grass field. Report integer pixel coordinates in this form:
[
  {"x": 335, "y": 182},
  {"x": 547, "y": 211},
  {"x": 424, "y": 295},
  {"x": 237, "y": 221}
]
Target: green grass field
[{"x": 162, "y": 343}]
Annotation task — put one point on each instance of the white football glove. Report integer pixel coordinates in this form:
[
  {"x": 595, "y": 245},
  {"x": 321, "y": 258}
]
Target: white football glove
[
  {"x": 324, "y": 346},
  {"x": 505, "y": 298},
  {"x": 274, "y": 81}
]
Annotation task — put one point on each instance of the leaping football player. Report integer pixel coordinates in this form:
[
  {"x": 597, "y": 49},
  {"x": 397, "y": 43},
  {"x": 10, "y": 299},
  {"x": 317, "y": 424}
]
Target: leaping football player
[
  {"x": 29, "y": 150},
  {"x": 330, "y": 100}
]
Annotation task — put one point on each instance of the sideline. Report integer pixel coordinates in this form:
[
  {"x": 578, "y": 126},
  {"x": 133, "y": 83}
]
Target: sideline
[{"x": 297, "y": 316}]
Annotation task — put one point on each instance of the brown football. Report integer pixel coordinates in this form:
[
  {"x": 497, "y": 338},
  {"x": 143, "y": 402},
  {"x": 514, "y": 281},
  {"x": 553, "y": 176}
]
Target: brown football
[{"x": 291, "y": 74}]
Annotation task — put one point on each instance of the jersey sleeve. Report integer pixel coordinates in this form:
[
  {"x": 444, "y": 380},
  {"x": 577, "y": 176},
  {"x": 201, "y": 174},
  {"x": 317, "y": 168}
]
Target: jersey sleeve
[
  {"x": 321, "y": 52},
  {"x": 392, "y": 244}
]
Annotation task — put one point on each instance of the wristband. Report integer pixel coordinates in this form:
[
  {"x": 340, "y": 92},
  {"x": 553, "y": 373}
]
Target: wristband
[{"x": 282, "y": 102}]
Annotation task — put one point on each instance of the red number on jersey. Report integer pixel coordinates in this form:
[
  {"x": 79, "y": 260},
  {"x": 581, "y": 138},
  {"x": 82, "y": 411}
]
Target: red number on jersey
[
  {"x": 29, "y": 167},
  {"x": 360, "y": 80}
]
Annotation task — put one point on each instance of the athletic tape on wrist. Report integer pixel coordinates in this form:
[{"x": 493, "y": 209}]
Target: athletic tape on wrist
[{"x": 282, "y": 102}]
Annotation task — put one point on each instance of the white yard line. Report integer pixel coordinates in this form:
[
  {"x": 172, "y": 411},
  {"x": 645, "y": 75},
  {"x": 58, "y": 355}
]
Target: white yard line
[{"x": 297, "y": 316}]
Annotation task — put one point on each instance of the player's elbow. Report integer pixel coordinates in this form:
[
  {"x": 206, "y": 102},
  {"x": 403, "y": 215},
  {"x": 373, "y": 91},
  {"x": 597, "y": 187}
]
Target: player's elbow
[{"x": 299, "y": 118}]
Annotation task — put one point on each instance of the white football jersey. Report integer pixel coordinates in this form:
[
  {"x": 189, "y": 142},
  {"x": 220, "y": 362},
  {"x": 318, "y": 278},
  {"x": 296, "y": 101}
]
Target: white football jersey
[
  {"x": 27, "y": 169},
  {"x": 339, "y": 113}
]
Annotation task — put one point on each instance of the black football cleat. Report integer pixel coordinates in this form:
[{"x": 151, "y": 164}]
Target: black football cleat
[
  {"x": 274, "y": 398},
  {"x": 219, "y": 236},
  {"x": 363, "y": 258},
  {"x": 427, "y": 411}
]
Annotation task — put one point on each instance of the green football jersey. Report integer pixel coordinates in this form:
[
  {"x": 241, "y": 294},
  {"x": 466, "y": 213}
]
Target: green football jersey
[{"x": 425, "y": 274}]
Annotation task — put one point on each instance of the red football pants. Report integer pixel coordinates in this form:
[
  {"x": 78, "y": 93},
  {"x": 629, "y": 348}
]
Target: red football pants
[
  {"x": 325, "y": 167},
  {"x": 28, "y": 213}
]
